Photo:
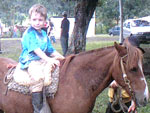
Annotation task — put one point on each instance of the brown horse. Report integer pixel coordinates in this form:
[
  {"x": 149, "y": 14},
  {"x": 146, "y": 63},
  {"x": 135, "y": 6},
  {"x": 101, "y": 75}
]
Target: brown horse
[{"x": 82, "y": 78}]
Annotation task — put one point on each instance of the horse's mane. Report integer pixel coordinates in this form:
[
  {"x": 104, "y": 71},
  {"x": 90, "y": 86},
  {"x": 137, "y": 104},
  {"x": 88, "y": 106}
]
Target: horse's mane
[{"x": 134, "y": 54}]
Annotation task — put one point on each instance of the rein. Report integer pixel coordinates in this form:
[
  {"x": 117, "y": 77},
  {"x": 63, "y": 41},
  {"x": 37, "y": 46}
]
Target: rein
[
  {"x": 117, "y": 95},
  {"x": 118, "y": 100}
]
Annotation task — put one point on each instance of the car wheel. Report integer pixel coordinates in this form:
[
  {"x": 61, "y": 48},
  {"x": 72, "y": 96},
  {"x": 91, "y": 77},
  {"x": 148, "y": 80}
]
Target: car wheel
[{"x": 111, "y": 34}]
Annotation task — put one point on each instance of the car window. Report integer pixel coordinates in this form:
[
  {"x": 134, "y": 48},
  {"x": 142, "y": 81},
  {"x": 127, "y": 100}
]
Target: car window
[
  {"x": 115, "y": 28},
  {"x": 118, "y": 28},
  {"x": 128, "y": 25},
  {"x": 124, "y": 25},
  {"x": 140, "y": 23}
]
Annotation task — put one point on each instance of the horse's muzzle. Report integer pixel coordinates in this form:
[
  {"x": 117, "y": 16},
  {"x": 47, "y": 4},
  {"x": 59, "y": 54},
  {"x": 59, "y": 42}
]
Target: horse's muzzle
[{"x": 141, "y": 102}]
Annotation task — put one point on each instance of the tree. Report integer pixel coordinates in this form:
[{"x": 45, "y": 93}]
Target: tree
[
  {"x": 108, "y": 13},
  {"x": 14, "y": 11},
  {"x": 83, "y": 14}
]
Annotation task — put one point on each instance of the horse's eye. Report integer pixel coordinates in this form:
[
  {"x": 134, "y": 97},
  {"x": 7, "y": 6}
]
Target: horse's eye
[{"x": 134, "y": 69}]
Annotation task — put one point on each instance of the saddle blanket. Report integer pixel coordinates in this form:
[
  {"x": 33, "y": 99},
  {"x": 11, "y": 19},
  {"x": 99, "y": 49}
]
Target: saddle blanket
[
  {"x": 37, "y": 72},
  {"x": 50, "y": 90}
]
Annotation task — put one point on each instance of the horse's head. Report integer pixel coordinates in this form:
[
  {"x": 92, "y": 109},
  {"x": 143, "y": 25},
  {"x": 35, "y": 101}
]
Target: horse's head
[{"x": 128, "y": 72}]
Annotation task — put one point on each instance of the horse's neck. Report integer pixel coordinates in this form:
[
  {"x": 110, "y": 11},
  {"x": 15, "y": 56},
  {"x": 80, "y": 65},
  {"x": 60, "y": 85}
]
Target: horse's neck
[
  {"x": 105, "y": 76},
  {"x": 95, "y": 69}
]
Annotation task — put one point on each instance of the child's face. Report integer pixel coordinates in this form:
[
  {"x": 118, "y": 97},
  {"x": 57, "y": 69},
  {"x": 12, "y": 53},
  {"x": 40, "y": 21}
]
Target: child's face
[{"x": 37, "y": 21}]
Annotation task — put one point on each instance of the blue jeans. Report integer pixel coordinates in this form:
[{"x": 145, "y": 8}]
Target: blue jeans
[
  {"x": 14, "y": 35},
  {"x": 53, "y": 39},
  {"x": 64, "y": 44}
]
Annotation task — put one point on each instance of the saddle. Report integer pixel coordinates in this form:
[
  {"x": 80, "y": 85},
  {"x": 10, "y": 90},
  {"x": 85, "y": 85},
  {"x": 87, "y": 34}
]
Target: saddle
[{"x": 9, "y": 80}]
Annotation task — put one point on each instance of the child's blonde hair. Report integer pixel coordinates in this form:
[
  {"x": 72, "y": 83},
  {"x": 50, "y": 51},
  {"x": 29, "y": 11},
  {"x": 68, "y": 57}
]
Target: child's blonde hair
[{"x": 38, "y": 8}]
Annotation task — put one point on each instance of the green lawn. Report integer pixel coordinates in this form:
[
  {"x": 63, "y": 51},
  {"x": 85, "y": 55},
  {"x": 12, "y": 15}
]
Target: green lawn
[{"x": 11, "y": 48}]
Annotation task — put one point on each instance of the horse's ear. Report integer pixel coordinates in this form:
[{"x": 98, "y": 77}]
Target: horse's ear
[{"x": 120, "y": 49}]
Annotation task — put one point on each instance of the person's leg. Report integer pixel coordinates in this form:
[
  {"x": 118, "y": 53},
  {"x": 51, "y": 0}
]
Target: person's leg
[
  {"x": 53, "y": 39},
  {"x": 108, "y": 109},
  {"x": 64, "y": 45},
  {"x": 39, "y": 71},
  {"x": 36, "y": 88},
  {"x": 14, "y": 34},
  {"x": 37, "y": 96},
  {"x": 37, "y": 101}
]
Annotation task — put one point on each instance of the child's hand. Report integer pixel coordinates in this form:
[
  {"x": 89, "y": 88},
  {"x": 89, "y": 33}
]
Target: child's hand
[
  {"x": 53, "y": 62},
  {"x": 59, "y": 57},
  {"x": 114, "y": 84},
  {"x": 132, "y": 107}
]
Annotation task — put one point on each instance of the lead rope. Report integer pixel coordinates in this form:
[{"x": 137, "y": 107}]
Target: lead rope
[
  {"x": 117, "y": 99},
  {"x": 121, "y": 103}
]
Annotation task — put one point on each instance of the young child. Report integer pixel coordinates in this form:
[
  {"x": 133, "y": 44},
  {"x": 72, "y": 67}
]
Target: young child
[{"x": 37, "y": 54}]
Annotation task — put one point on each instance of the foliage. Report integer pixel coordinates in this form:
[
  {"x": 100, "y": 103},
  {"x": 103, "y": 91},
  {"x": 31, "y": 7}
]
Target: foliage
[
  {"x": 13, "y": 11},
  {"x": 16, "y": 11},
  {"x": 107, "y": 11},
  {"x": 108, "y": 14},
  {"x": 136, "y": 8}
]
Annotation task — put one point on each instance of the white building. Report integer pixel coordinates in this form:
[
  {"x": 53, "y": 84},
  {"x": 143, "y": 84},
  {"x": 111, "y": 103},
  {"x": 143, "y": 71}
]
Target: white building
[{"x": 57, "y": 24}]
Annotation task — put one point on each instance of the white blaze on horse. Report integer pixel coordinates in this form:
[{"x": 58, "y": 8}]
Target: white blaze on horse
[{"x": 82, "y": 78}]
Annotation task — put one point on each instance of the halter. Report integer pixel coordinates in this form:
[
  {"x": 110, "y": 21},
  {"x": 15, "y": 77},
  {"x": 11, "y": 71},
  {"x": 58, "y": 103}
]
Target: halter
[
  {"x": 118, "y": 98},
  {"x": 126, "y": 80}
]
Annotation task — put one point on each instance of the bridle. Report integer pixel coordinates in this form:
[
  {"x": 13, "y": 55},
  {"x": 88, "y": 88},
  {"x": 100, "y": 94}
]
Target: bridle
[
  {"x": 118, "y": 96},
  {"x": 126, "y": 80}
]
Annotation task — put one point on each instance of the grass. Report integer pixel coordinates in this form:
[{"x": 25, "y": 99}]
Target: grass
[
  {"x": 102, "y": 100},
  {"x": 95, "y": 45},
  {"x": 12, "y": 48}
]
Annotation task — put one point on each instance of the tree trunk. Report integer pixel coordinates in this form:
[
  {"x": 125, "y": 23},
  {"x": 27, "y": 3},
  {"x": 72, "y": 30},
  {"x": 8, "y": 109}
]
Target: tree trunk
[{"x": 83, "y": 14}]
